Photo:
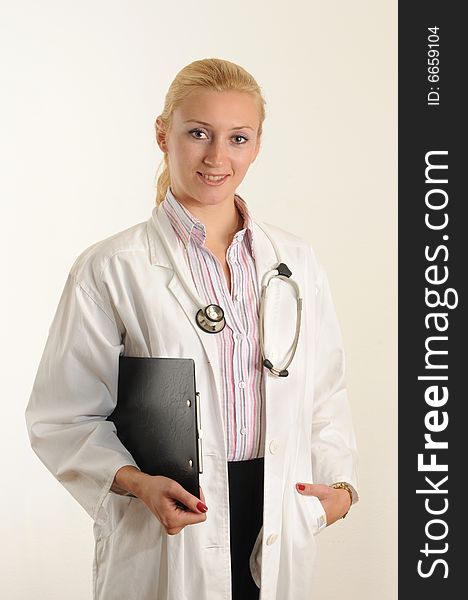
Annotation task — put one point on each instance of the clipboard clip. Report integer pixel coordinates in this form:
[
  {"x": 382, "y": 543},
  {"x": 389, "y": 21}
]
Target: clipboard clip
[{"x": 199, "y": 432}]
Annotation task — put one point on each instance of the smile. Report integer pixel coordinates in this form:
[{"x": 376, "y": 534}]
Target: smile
[{"x": 213, "y": 179}]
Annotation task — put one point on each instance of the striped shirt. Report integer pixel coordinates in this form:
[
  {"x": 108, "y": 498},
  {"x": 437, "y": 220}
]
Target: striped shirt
[{"x": 238, "y": 343}]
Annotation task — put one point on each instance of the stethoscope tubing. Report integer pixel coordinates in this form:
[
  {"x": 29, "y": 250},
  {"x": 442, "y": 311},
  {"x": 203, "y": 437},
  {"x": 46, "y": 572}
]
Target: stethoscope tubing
[{"x": 283, "y": 371}]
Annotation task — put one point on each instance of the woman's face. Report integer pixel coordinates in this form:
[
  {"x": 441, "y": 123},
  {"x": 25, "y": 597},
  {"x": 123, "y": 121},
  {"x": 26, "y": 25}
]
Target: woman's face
[{"x": 210, "y": 145}]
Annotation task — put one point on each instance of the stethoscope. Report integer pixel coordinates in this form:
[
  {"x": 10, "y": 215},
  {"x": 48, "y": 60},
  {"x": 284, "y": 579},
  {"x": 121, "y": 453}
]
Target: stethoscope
[{"x": 211, "y": 318}]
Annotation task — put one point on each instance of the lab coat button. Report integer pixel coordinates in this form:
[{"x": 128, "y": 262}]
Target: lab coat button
[
  {"x": 274, "y": 446},
  {"x": 271, "y": 539}
]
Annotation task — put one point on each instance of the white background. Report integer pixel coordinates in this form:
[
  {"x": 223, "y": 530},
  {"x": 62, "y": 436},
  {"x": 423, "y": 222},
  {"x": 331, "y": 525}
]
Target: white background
[{"x": 82, "y": 83}]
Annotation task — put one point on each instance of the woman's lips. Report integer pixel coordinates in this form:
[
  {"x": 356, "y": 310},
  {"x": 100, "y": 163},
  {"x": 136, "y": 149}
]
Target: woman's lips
[{"x": 212, "y": 180}]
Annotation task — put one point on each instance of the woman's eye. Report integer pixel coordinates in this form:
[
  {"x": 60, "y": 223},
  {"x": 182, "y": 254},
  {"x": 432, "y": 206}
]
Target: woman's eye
[
  {"x": 240, "y": 139},
  {"x": 198, "y": 134}
]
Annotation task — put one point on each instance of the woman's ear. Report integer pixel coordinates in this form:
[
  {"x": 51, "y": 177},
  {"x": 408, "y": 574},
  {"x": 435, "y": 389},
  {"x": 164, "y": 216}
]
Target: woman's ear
[{"x": 160, "y": 134}]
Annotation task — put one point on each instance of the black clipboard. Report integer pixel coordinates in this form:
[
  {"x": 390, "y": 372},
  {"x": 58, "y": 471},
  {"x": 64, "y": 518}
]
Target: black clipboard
[{"x": 157, "y": 417}]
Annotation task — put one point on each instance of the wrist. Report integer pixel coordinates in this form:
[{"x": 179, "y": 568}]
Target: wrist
[
  {"x": 130, "y": 479},
  {"x": 346, "y": 494}
]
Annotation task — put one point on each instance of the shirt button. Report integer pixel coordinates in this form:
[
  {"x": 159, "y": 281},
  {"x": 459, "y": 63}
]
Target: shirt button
[
  {"x": 239, "y": 297},
  {"x": 241, "y": 384},
  {"x": 274, "y": 446},
  {"x": 243, "y": 430},
  {"x": 271, "y": 539}
]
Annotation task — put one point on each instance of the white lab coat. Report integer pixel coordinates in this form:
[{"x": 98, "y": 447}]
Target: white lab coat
[{"x": 122, "y": 297}]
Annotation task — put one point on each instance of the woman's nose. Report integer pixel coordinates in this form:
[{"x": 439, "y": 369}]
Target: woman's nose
[{"x": 215, "y": 155}]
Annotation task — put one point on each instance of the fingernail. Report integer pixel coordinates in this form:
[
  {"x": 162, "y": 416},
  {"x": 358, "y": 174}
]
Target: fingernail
[
  {"x": 201, "y": 507},
  {"x": 301, "y": 486}
]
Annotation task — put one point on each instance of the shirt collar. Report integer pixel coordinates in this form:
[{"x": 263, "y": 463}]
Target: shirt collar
[{"x": 188, "y": 227}]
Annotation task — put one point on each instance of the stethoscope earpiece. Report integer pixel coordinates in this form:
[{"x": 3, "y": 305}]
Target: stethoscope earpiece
[
  {"x": 269, "y": 365},
  {"x": 284, "y": 270}
]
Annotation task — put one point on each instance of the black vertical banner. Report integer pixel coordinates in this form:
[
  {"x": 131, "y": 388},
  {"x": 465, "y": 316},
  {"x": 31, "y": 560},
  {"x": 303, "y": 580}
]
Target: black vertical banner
[{"x": 433, "y": 252}]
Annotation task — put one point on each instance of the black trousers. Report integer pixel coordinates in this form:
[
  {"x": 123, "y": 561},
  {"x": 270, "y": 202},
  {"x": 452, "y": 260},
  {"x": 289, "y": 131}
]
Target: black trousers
[{"x": 246, "y": 518}]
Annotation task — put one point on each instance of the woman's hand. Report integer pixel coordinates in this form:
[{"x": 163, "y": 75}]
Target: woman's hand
[
  {"x": 162, "y": 496},
  {"x": 336, "y": 502}
]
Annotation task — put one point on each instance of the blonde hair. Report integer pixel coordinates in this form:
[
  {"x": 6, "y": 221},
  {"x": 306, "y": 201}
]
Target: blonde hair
[{"x": 209, "y": 73}]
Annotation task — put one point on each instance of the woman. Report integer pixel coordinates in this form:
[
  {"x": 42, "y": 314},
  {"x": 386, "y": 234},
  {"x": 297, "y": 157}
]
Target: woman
[{"x": 273, "y": 447}]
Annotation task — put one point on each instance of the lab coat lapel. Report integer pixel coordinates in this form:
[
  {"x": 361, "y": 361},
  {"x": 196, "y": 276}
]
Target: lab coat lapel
[
  {"x": 264, "y": 253},
  {"x": 159, "y": 257},
  {"x": 265, "y": 261}
]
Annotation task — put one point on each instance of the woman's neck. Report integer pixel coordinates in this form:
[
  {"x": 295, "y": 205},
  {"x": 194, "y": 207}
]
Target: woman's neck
[{"x": 221, "y": 221}]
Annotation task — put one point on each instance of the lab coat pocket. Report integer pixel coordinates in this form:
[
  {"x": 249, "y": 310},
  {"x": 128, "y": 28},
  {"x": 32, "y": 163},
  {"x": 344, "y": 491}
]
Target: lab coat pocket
[
  {"x": 117, "y": 507},
  {"x": 314, "y": 518},
  {"x": 319, "y": 515}
]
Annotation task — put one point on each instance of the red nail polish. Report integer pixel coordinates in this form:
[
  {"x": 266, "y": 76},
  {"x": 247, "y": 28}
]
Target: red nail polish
[
  {"x": 201, "y": 507},
  {"x": 301, "y": 487}
]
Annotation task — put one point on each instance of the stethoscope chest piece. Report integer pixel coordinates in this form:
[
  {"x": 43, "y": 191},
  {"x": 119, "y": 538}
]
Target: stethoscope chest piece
[{"x": 211, "y": 319}]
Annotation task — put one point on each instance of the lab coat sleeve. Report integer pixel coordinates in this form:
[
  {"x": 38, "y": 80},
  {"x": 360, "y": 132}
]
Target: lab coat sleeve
[
  {"x": 74, "y": 391},
  {"x": 333, "y": 445}
]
